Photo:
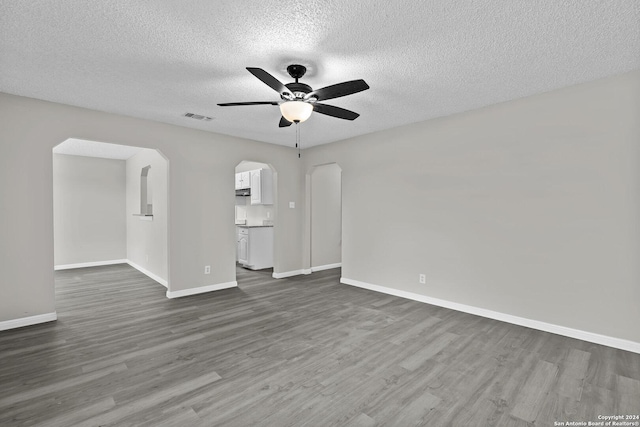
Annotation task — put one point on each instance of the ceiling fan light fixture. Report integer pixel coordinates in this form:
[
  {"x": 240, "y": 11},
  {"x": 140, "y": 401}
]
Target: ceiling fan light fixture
[
  {"x": 296, "y": 111},
  {"x": 299, "y": 100}
]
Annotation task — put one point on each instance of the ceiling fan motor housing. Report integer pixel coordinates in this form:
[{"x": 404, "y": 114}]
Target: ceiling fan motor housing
[{"x": 299, "y": 90}]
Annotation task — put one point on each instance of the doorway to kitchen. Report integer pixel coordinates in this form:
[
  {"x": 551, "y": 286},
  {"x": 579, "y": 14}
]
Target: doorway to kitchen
[{"x": 255, "y": 217}]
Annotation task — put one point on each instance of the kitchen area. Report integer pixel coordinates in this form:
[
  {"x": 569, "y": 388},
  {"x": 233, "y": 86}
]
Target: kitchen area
[{"x": 254, "y": 215}]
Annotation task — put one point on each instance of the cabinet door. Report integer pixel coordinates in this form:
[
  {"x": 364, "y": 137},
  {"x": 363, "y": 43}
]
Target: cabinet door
[
  {"x": 243, "y": 180},
  {"x": 246, "y": 179},
  {"x": 237, "y": 244},
  {"x": 243, "y": 249},
  {"x": 256, "y": 189}
]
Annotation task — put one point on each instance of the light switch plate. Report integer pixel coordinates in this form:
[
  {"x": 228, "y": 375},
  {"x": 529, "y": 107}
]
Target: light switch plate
[{"x": 292, "y": 205}]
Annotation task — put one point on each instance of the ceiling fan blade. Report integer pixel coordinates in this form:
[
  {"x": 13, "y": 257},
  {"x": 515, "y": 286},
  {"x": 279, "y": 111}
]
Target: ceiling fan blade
[
  {"x": 333, "y": 111},
  {"x": 338, "y": 90},
  {"x": 284, "y": 122},
  {"x": 234, "y": 104},
  {"x": 269, "y": 80}
]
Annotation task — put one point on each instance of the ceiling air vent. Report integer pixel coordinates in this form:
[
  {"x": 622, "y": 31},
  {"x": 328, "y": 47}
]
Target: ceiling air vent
[{"x": 198, "y": 117}]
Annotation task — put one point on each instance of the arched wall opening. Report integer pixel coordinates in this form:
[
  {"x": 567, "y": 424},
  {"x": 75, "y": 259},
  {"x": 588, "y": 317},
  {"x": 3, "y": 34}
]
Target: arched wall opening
[
  {"x": 256, "y": 217},
  {"x": 111, "y": 207},
  {"x": 324, "y": 217}
]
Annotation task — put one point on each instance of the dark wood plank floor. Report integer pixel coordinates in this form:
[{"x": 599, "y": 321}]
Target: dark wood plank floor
[{"x": 303, "y": 351}]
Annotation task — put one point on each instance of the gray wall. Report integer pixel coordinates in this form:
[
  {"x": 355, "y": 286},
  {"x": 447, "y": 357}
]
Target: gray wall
[
  {"x": 88, "y": 209},
  {"x": 201, "y": 197},
  {"x": 529, "y": 208},
  {"x": 326, "y": 215},
  {"x": 147, "y": 240}
]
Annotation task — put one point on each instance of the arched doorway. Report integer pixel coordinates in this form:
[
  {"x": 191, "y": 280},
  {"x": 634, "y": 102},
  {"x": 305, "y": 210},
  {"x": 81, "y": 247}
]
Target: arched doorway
[
  {"x": 325, "y": 217},
  {"x": 110, "y": 207},
  {"x": 255, "y": 216}
]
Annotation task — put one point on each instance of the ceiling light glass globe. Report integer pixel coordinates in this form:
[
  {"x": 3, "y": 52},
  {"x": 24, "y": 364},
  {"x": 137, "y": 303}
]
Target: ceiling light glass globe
[{"x": 296, "y": 111}]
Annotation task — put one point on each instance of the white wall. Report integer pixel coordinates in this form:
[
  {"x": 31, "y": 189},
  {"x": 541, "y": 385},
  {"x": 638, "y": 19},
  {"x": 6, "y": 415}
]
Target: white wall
[
  {"x": 147, "y": 240},
  {"x": 254, "y": 214},
  {"x": 248, "y": 165},
  {"x": 88, "y": 209},
  {"x": 326, "y": 215},
  {"x": 529, "y": 208}
]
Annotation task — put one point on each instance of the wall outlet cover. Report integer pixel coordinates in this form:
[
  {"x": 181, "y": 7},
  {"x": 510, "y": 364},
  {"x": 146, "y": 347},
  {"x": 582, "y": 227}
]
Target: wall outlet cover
[
  {"x": 207, "y": 269},
  {"x": 422, "y": 278}
]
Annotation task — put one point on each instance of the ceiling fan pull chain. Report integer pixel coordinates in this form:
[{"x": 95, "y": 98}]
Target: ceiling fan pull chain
[{"x": 298, "y": 138}]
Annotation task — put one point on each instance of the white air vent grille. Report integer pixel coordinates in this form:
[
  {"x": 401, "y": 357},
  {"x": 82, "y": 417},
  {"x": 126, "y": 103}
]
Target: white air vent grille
[{"x": 198, "y": 117}]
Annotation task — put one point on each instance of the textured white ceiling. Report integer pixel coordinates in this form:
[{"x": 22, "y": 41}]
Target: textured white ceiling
[
  {"x": 423, "y": 58},
  {"x": 80, "y": 147}
]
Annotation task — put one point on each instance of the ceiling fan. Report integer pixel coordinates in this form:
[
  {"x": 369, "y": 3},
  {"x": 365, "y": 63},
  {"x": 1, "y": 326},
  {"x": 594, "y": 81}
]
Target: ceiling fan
[{"x": 300, "y": 100}]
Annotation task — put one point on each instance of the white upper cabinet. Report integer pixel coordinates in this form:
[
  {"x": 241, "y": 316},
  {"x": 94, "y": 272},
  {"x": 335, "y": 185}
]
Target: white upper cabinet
[
  {"x": 261, "y": 187},
  {"x": 243, "y": 180}
]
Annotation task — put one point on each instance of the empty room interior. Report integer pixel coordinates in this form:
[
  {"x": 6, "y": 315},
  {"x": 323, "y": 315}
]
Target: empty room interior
[{"x": 319, "y": 214}]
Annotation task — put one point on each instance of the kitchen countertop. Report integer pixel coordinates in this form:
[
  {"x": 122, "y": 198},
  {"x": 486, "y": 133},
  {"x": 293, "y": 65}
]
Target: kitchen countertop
[{"x": 252, "y": 226}]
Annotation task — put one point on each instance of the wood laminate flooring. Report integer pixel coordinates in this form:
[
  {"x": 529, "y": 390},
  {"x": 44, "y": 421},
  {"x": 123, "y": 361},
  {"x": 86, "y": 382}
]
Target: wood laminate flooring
[{"x": 302, "y": 351}]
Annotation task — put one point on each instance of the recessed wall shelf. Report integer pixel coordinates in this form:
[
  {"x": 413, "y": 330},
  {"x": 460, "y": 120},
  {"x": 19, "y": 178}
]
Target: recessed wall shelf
[
  {"x": 144, "y": 217},
  {"x": 146, "y": 206}
]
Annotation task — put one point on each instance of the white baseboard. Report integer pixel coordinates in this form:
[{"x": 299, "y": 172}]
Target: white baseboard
[
  {"x": 201, "y": 289},
  {"x": 305, "y": 271},
  {"x": 326, "y": 267},
  {"x": 290, "y": 273},
  {"x": 146, "y": 272},
  {"x": 28, "y": 321},
  {"x": 142, "y": 270},
  {"x": 521, "y": 321},
  {"x": 89, "y": 264}
]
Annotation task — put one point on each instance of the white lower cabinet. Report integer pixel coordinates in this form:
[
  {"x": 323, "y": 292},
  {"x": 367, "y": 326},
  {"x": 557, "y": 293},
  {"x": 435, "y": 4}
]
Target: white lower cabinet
[
  {"x": 242, "y": 252},
  {"x": 255, "y": 247}
]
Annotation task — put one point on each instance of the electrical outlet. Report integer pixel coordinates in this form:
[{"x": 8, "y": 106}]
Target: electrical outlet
[
  {"x": 292, "y": 205},
  {"x": 423, "y": 279},
  {"x": 207, "y": 269}
]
